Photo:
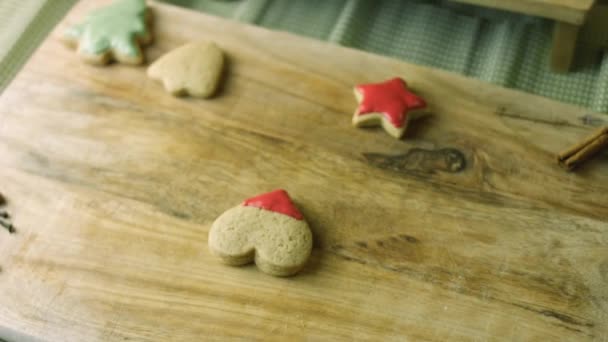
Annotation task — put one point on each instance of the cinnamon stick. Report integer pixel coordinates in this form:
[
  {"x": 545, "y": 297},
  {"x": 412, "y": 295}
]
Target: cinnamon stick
[{"x": 584, "y": 150}]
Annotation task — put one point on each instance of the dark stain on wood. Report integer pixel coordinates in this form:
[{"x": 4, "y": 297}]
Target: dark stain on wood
[
  {"x": 361, "y": 244},
  {"x": 409, "y": 238},
  {"x": 571, "y": 329},
  {"x": 349, "y": 258},
  {"x": 180, "y": 214},
  {"x": 267, "y": 137},
  {"x": 564, "y": 318},
  {"x": 337, "y": 247},
  {"x": 421, "y": 160}
]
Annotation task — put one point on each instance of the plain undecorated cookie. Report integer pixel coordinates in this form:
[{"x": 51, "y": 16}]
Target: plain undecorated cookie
[
  {"x": 268, "y": 230},
  {"x": 193, "y": 69}
]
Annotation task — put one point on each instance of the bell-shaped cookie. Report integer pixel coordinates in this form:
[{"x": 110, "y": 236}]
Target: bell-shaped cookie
[{"x": 193, "y": 69}]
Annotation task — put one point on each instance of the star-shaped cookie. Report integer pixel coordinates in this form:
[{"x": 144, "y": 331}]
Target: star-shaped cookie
[
  {"x": 390, "y": 104},
  {"x": 194, "y": 69},
  {"x": 115, "y": 32}
]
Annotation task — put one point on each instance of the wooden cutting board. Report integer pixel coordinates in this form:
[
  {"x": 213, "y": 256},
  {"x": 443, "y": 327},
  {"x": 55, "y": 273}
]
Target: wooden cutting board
[{"x": 465, "y": 230}]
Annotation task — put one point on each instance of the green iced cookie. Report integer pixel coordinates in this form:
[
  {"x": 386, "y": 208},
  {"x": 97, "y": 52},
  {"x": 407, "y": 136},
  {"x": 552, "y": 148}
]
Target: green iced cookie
[{"x": 114, "y": 32}]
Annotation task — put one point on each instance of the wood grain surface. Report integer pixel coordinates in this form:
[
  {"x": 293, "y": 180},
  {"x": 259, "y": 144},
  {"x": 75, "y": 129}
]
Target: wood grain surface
[
  {"x": 569, "y": 11},
  {"x": 466, "y": 230}
]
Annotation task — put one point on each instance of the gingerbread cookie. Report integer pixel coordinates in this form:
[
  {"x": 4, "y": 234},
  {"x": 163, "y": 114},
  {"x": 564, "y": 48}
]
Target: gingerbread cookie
[
  {"x": 115, "y": 32},
  {"x": 194, "y": 69},
  {"x": 390, "y": 104},
  {"x": 267, "y": 229}
]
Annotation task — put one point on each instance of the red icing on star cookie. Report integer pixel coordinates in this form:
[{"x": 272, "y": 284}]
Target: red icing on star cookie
[
  {"x": 391, "y": 98},
  {"x": 277, "y": 201}
]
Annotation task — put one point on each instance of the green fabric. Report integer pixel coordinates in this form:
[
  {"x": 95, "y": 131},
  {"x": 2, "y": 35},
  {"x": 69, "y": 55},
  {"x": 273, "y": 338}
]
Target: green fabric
[
  {"x": 24, "y": 24},
  {"x": 498, "y": 47}
]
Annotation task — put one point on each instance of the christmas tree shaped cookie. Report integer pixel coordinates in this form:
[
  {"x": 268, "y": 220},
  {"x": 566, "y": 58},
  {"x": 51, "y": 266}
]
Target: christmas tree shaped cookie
[
  {"x": 267, "y": 229},
  {"x": 390, "y": 104},
  {"x": 194, "y": 69},
  {"x": 115, "y": 32}
]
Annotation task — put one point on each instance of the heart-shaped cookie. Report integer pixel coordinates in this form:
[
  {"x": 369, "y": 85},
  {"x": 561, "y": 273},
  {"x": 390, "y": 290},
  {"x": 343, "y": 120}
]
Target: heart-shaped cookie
[
  {"x": 193, "y": 69},
  {"x": 267, "y": 229}
]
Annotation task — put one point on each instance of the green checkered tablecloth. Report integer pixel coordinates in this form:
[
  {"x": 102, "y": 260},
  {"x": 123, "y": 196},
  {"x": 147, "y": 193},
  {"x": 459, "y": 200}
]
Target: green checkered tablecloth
[{"x": 497, "y": 47}]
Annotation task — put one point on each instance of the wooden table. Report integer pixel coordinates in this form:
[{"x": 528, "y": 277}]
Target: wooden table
[
  {"x": 569, "y": 16},
  {"x": 113, "y": 184}
]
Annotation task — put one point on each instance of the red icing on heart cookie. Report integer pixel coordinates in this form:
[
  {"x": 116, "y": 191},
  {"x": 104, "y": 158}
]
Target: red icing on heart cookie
[
  {"x": 277, "y": 201},
  {"x": 391, "y": 98}
]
